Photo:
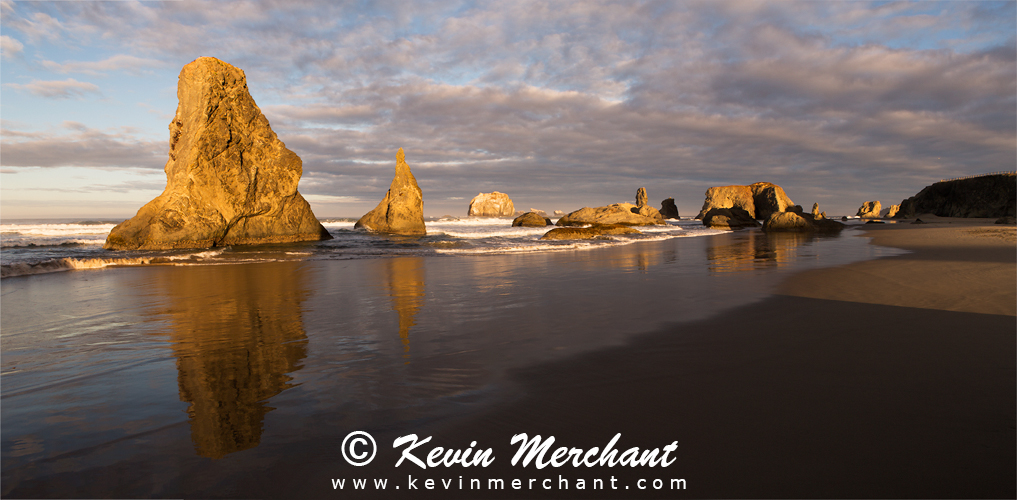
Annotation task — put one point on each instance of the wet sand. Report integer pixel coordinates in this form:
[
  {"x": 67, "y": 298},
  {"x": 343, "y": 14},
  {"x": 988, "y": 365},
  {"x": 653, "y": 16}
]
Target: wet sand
[
  {"x": 887, "y": 378},
  {"x": 242, "y": 381}
]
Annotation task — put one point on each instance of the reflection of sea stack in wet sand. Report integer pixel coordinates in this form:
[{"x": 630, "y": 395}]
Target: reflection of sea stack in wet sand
[
  {"x": 402, "y": 209},
  {"x": 229, "y": 179}
]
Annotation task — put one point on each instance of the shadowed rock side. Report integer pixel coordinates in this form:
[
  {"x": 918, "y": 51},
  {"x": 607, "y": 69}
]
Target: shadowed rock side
[
  {"x": 587, "y": 233},
  {"x": 869, "y": 210},
  {"x": 494, "y": 204},
  {"x": 237, "y": 333},
  {"x": 402, "y": 209},
  {"x": 531, "y": 219},
  {"x": 986, "y": 196},
  {"x": 619, "y": 213},
  {"x": 668, "y": 209},
  {"x": 229, "y": 179},
  {"x": 729, "y": 218}
]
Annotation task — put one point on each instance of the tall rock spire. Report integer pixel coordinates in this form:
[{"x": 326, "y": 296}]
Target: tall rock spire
[
  {"x": 229, "y": 179},
  {"x": 402, "y": 209}
]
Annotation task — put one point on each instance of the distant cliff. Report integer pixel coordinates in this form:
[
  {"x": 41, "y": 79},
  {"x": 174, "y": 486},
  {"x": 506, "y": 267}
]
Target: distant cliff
[{"x": 993, "y": 195}]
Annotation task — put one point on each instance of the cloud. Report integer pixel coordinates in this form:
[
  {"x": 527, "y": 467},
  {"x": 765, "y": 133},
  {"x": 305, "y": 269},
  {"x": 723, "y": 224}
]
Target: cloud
[
  {"x": 114, "y": 63},
  {"x": 10, "y": 48},
  {"x": 57, "y": 89},
  {"x": 586, "y": 100},
  {"x": 81, "y": 147}
]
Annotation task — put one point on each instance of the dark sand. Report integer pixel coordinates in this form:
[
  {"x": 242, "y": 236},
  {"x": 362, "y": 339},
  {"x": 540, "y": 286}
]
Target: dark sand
[{"x": 885, "y": 378}]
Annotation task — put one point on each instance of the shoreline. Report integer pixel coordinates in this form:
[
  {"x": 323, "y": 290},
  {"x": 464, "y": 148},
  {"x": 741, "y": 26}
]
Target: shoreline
[{"x": 816, "y": 391}]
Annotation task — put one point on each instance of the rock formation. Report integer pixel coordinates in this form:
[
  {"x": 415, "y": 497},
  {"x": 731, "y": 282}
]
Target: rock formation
[
  {"x": 799, "y": 223},
  {"x": 531, "y": 219},
  {"x": 729, "y": 218},
  {"x": 759, "y": 199},
  {"x": 587, "y": 233},
  {"x": 769, "y": 198},
  {"x": 559, "y": 212},
  {"x": 815, "y": 209},
  {"x": 892, "y": 211},
  {"x": 494, "y": 204},
  {"x": 869, "y": 210},
  {"x": 402, "y": 209},
  {"x": 229, "y": 179},
  {"x": 641, "y": 198},
  {"x": 984, "y": 196},
  {"x": 619, "y": 213},
  {"x": 728, "y": 197},
  {"x": 668, "y": 209}
]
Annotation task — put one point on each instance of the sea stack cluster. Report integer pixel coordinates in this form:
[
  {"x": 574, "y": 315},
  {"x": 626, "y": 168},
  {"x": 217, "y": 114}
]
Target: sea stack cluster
[{"x": 229, "y": 179}]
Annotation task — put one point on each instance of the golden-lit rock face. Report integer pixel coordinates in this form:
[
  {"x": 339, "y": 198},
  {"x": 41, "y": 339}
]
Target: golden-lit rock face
[
  {"x": 496, "y": 204},
  {"x": 402, "y": 209},
  {"x": 870, "y": 210},
  {"x": 229, "y": 179},
  {"x": 237, "y": 333}
]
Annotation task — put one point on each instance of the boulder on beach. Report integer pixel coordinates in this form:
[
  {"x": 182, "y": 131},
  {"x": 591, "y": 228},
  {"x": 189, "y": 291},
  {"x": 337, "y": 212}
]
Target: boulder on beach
[
  {"x": 729, "y": 218},
  {"x": 799, "y": 223},
  {"x": 401, "y": 211},
  {"x": 229, "y": 179},
  {"x": 587, "y": 233},
  {"x": 531, "y": 219},
  {"x": 869, "y": 210},
  {"x": 494, "y": 204},
  {"x": 890, "y": 212},
  {"x": 618, "y": 213},
  {"x": 668, "y": 209},
  {"x": 991, "y": 195}
]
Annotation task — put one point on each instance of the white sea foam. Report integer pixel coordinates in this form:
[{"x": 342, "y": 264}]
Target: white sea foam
[{"x": 66, "y": 264}]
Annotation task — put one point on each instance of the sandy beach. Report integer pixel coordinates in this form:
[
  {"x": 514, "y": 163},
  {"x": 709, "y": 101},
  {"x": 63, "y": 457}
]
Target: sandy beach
[{"x": 773, "y": 375}]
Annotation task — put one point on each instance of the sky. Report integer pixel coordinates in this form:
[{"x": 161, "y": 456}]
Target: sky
[{"x": 559, "y": 104}]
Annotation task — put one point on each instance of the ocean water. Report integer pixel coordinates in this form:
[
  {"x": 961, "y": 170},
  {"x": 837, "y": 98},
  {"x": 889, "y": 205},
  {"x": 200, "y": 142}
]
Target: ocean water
[
  {"x": 237, "y": 372},
  {"x": 44, "y": 246}
]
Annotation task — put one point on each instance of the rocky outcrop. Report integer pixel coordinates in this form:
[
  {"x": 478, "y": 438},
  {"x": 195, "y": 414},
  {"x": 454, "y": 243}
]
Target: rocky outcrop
[
  {"x": 729, "y": 218},
  {"x": 759, "y": 199},
  {"x": 229, "y": 179},
  {"x": 668, "y": 209},
  {"x": 402, "y": 209},
  {"x": 531, "y": 219},
  {"x": 769, "y": 198},
  {"x": 799, "y": 223},
  {"x": 815, "y": 209},
  {"x": 494, "y": 204},
  {"x": 619, "y": 213},
  {"x": 985, "y": 196},
  {"x": 641, "y": 198},
  {"x": 869, "y": 210},
  {"x": 728, "y": 197},
  {"x": 559, "y": 212},
  {"x": 892, "y": 211},
  {"x": 595, "y": 231}
]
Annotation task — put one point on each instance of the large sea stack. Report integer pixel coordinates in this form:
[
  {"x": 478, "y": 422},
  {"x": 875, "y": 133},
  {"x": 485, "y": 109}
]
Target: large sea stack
[
  {"x": 402, "y": 209},
  {"x": 993, "y": 195},
  {"x": 494, "y": 204},
  {"x": 759, "y": 199},
  {"x": 229, "y": 179}
]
